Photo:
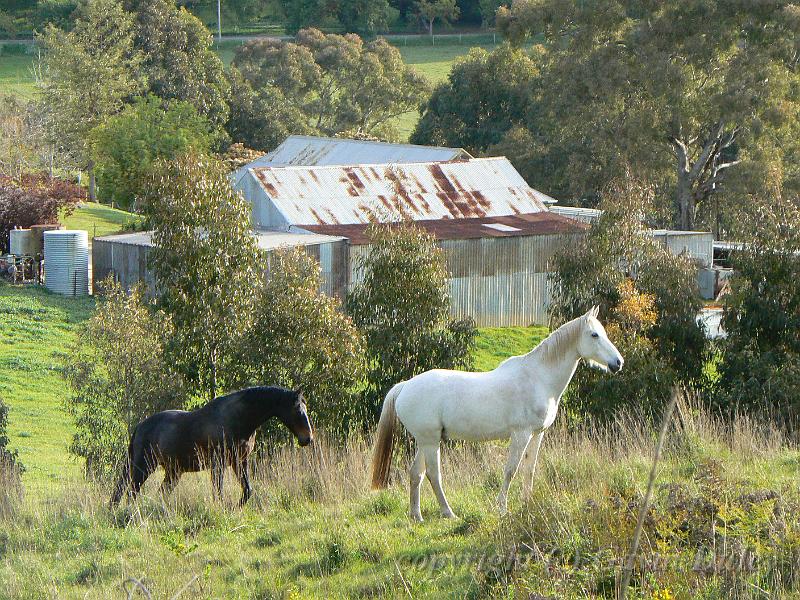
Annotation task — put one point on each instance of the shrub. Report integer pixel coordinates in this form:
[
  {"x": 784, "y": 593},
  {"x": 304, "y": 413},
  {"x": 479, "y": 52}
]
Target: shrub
[
  {"x": 759, "y": 370},
  {"x": 34, "y": 199},
  {"x": 119, "y": 375},
  {"x": 300, "y": 338},
  {"x": 649, "y": 304},
  {"x": 128, "y": 144},
  {"x": 402, "y": 307},
  {"x": 10, "y": 467}
]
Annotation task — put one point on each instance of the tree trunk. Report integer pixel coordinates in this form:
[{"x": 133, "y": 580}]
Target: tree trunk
[
  {"x": 430, "y": 27},
  {"x": 684, "y": 201},
  {"x": 92, "y": 183}
]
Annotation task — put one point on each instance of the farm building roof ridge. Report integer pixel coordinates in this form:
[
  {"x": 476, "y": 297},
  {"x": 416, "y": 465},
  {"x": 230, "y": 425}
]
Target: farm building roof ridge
[{"x": 306, "y": 150}]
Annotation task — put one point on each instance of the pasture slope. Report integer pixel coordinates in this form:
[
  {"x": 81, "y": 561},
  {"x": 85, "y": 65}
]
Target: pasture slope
[{"x": 724, "y": 524}]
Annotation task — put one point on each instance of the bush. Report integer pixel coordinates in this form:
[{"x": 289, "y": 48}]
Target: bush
[
  {"x": 10, "y": 467},
  {"x": 649, "y": 302},
  {"x": 128, "y": 144},
  {"x": 34, "y": 199},
  {"x": 119, "y": 375},
  {"x": 759, "y": 369},
  {"x": 402, "y": 307},
  {"x": 300, "y": 338}
]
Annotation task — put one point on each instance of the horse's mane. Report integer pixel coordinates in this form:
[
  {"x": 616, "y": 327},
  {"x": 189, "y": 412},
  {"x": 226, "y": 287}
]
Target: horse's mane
[{"x": 554, "y": 345}]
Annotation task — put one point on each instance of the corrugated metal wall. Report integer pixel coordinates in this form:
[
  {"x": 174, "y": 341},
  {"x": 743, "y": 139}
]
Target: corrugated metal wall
[
  {"x": 499, "y": 282},
  {"x": 698, "y": 245},
  {"x": 128, "y": 263}
]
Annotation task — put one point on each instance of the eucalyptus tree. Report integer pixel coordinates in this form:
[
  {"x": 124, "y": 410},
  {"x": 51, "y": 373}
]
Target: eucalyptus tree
[
  {"x": 698, "y": 97},
  {"x": 87, "y": 76},
  {"x": 205, "y": 262},
  {"x": 324, "y": 84}
]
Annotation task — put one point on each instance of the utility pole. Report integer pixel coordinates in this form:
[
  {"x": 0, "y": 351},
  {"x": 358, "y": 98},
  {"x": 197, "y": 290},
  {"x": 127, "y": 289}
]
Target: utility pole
[{"x": 219, "y": 20}]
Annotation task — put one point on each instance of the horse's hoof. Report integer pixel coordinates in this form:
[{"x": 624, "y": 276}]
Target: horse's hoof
[
  {"x": 416, "y": 518},
  {"x": 449, "y": 514}
]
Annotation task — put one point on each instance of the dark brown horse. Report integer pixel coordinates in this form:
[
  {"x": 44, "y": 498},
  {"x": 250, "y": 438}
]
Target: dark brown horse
[{"x": 217, "y": 435}]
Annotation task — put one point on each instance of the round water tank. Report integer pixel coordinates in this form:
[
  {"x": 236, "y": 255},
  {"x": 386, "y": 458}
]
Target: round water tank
[
  {"x": 21, "y": 241},
  {"x": 66, "y": 262}
]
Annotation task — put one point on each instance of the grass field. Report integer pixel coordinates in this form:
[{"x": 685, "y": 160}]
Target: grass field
[
  {"x": 99, "y": 219},
  {"x": 16, "y": 75},
  {"x": 724, "y": 525}
]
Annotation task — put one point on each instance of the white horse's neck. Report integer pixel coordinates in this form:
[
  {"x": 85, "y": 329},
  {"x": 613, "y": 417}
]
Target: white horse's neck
[{"x": 555, "y": 359}]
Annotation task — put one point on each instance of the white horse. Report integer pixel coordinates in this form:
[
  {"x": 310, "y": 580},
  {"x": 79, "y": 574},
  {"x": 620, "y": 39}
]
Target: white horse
[{"x": 516, "y": 401}]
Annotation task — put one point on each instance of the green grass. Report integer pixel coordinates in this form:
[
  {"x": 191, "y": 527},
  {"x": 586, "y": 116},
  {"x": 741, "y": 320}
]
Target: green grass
[
  {"x": 314, "y": 530},
  {"x": 99, "y": 219},
  {"x": 37, "y": 331},
  {"x": 16, "y": 75}
]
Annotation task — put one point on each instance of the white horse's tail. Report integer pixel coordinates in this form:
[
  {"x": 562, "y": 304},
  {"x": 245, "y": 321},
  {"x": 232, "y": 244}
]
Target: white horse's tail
[{"x": 384, "y": 440}]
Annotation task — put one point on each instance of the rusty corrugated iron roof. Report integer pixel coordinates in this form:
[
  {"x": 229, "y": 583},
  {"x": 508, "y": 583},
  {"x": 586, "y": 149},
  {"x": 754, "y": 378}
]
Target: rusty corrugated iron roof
[
  {"x": 482, "y": 187},
  {"x": 541, "y": 223}
]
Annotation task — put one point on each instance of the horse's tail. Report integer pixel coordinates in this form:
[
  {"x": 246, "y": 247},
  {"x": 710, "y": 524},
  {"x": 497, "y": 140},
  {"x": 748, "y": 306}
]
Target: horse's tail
[
  {"x": 124, "y": 480},
  {"x": 384, "y": 440}
]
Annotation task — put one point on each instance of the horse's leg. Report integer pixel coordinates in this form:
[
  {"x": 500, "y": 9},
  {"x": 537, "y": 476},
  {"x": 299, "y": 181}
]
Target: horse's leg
[
  {"x": 217, "y": 473},
  {"x": 171, "y": 477},
  {"x": 519, "y": 441},
  {"x": 417, "y": 472},
  {"x": 243, "y": 475},
  {"x": 142, "y": 467},
  {"x": 433, "y": 467},
  {"x": 531, "y": 458}
]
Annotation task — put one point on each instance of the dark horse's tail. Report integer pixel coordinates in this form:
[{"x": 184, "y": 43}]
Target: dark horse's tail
[{"x": 124, "y": 481}]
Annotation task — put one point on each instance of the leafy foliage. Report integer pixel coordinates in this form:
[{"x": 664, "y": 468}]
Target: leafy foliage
[
  {"x": 34, "y": 199},
  {"x": 759, "y": 371},
  {"x": 323, "y": 84},
  {"x": 300, "y": 338},
  {"x": 89, "y": 73},
  {"x": 204, "y": 260},
  {"x": 127, "y": 145},
  {"x": 648, "y": 299},
  {"x": 178, "y": 59},
  {"x": 401, "y": 304},
  {"x": 119, "y": 375},
  {"x": 696, "y": 97},
  {"x": 485, "y": 96},
  {"x": 432, "y": 10}
]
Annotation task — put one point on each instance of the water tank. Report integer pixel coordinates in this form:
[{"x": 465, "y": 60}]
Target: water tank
[
  {"x": 21, "y": 241},
  {"x": 66, "y": 262}
]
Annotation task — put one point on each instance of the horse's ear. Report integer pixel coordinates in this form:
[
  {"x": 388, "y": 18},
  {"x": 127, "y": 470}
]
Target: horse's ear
[{"x": 596, "y": 311}]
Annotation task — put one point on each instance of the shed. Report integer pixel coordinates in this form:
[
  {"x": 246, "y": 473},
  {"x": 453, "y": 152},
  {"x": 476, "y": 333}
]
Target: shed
[
  {"x": 125, "y": 257},
  {"x": 313, "y": 151}
]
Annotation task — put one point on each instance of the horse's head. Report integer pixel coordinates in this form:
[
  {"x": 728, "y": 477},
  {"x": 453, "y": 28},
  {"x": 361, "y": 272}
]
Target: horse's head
[
  {"x": 295, "y": 416},
  {"x": 594, "y": 345}
]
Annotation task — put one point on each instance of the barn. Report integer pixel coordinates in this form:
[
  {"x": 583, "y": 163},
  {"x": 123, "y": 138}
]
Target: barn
[{"x": 497, "y": 233}]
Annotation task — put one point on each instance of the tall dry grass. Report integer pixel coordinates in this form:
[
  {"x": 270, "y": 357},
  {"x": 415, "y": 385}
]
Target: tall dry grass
[{"x": 589, "y": 481}]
